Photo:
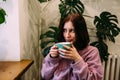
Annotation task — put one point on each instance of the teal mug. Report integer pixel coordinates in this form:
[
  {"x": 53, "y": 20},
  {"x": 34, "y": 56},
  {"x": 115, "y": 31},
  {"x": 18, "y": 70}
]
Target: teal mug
[{"x": 60, "y": 45}]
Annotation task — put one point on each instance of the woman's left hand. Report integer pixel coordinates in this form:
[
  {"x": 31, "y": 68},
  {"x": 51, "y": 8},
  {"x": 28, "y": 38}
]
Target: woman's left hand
[{"x": 70, "y": 53}]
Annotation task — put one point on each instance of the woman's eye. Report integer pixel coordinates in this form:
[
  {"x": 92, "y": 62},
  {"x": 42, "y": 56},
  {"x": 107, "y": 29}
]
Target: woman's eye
[{"x": 72, "y": 30}]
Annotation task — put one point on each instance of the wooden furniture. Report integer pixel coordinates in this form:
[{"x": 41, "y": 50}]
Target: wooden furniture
[{"x": 12, "y": 70}]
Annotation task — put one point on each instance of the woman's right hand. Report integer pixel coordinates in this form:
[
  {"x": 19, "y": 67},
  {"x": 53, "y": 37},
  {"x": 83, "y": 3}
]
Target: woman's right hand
[{"x": 54, "y": 51}]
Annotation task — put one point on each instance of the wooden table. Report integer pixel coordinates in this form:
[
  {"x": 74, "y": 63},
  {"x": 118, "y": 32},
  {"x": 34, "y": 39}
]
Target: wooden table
[{"x": 12, "y": 70}]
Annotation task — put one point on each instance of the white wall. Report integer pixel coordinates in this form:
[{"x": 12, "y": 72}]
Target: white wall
[
  {"x": 9, "y": 32},
  {"x": 19, "y": 37}
]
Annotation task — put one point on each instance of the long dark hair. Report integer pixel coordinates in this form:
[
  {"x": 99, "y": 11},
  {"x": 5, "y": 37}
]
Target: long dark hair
[{"x": 82, "y": 37}]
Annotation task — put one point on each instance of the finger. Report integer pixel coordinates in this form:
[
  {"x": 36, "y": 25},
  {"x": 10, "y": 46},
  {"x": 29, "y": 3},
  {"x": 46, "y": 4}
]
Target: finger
[
  {"x": 54, "y": 51},
  {"x": 54, "y": 47},
  {"x": 66, "y": 56},
  {"x": 63, "y": 51},
  {"x": 67, "y": 47},
  {"x": 72, "y": 46}
]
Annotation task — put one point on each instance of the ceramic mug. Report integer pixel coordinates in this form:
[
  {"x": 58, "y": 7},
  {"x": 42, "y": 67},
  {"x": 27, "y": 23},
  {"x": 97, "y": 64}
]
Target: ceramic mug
[{"x": 60, "y": 45}]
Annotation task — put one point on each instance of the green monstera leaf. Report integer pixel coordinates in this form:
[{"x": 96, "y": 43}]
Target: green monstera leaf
[
  {"x": 50, "y": 36},
  {"x": 106, "y": 25},
  {"x": 107, "y": 28},
  {"x": 2, "y": 16},
  {"x": 70, "y": 6}
]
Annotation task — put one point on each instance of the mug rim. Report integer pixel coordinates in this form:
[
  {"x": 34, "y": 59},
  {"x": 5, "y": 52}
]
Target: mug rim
[{"x": 63, "y": 43}]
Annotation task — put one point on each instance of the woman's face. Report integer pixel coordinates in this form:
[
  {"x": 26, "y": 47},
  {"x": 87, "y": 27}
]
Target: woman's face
[{"x": 69, "y": 32}]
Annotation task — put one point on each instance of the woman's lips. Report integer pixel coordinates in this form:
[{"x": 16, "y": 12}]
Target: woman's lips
[{"x": 68, "y": 40}]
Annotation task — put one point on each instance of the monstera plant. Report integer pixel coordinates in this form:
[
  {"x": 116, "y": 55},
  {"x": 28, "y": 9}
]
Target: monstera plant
[
  {"x": 106, "y": 26},
  {"x": 70, "y": 6},
  {"x": 2, "y": 15},
  {"x": 48, "y": 37},
  {"x": 107, "y": 29}
]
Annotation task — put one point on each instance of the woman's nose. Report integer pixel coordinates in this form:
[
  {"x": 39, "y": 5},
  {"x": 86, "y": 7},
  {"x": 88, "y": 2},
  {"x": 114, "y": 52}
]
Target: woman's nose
[{"x": 67, "y": 34}]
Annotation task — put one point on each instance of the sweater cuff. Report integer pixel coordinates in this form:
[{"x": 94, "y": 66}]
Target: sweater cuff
[
  {"x": 53, "y": 60},
  {"x": 78, "y": 65}
]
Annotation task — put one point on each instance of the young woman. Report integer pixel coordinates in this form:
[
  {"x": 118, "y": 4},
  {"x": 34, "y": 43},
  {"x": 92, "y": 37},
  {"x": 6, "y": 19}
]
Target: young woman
[{"x": 80, "y": 62}]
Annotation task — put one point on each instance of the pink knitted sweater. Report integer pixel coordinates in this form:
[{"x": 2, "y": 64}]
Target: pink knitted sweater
[{"x": 87, "y": 68}]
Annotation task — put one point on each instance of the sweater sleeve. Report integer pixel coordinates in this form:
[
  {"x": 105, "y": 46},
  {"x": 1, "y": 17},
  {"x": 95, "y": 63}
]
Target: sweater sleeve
[
  {"x": 49, "y": 65},
  {"x": 90, "y": 68}
]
